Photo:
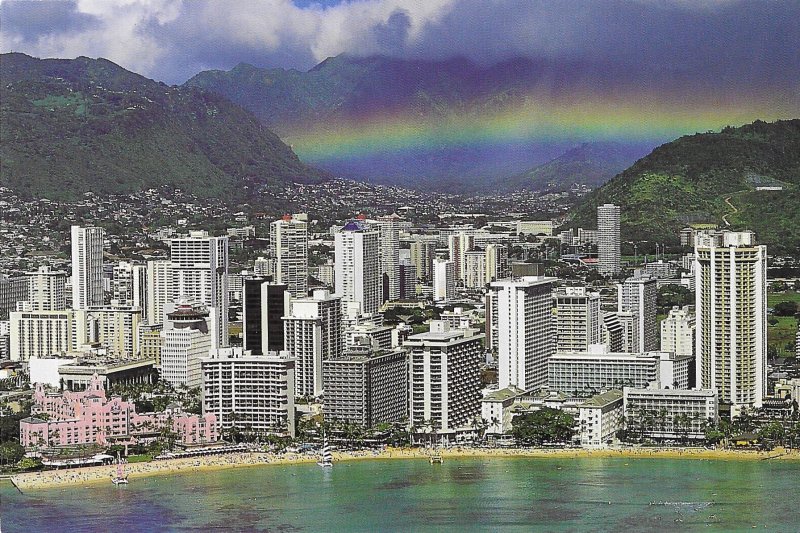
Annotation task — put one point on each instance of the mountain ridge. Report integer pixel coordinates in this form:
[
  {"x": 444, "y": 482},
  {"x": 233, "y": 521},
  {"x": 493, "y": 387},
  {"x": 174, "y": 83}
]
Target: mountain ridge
[{"x": 69, "y": 126}]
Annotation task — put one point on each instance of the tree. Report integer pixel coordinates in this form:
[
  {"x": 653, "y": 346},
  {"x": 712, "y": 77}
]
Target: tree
[
  {"x": 787, "y": 308},
  {"x": 543, "y": 426},
  {"x": 11, "y": 453}
]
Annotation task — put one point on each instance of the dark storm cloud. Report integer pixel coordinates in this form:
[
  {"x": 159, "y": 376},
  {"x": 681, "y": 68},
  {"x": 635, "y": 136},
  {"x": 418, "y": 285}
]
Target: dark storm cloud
[{"x": 713, "y": 41}]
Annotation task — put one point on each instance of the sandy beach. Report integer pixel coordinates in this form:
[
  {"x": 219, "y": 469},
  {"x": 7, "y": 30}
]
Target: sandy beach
[{"x": 103, "y": 474}]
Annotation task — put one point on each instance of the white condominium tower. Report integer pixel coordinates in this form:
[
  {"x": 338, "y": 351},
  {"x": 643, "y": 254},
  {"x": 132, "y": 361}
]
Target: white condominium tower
[
  {"x": 608, "y": 241},
  {"x": 444, "y": 280},
  {"x": 731, "y": 317},
  {"x": 358, "y": 272},
  {"x": 289, "y": 245},
  {"x": 87, "y": 266},
  {"x": 388, "y": 228},
  {"x": 577, "y": 319},
  {"x": 46, "y": 290},
  {"x": 677, "y": 332},
  {"x": 159, "y": 290},
  {"x": 459, "y": 244},
  {"x": 526, "y": 339},
  {"x": 313, "y": 333},
  {"x": 637, "y": 295},
  {"x": 199, "y": 266}
]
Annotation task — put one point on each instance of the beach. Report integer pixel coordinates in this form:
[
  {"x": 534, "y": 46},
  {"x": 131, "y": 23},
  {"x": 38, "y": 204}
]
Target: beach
[{"x": 103, "y": 474}]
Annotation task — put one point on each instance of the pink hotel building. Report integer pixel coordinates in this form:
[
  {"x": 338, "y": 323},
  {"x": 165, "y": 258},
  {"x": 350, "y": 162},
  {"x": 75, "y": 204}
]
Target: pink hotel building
[{"x": 91, "y": 417}]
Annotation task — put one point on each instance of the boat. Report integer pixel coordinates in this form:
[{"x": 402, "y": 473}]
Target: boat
[
  {"x": 327, "y": 457},
  {"x": 436, "y": 459},
  {"x": 121, "y": 478}
]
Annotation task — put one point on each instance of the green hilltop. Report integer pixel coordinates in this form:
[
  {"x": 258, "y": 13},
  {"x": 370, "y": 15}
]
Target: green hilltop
[
  {"x": 72, "y": 126},
  {"x": 711, "y": 178}
]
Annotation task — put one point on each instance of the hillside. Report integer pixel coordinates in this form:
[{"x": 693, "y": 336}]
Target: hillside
[
  {"x": 590, "y": 164},
  {"x": 689, "y": 180},
  {"x": 449, "y": 125},
  {"x": 71, "y": 126}
]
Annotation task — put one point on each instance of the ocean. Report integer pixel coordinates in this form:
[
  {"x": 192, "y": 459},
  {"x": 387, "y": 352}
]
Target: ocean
[{"x": 464, "y": 494}]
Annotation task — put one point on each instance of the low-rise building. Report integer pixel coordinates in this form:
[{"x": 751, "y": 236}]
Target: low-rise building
[
  {"x": 90, "y": 416},
  {"x": 496, "y": 409},
  {"x": 599, "y": 418},
  {"x": 670, "y": 414}
]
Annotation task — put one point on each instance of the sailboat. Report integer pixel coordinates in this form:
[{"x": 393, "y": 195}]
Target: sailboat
[
  {"x": 327, "y": 457},
  {"x": 121, "y": 478}
]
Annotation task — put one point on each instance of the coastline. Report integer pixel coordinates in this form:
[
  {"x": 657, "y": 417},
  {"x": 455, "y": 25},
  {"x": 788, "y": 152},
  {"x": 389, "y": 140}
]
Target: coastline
[{"x": 102, "y": 474}]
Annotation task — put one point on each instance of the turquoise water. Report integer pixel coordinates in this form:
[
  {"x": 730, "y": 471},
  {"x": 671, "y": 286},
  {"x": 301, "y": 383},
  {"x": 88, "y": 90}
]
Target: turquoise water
[{"x": 497, "y": 494}]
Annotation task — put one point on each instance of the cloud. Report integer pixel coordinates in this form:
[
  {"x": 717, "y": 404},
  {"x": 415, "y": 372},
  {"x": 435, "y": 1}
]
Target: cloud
[{"x": 171, "y": 40}]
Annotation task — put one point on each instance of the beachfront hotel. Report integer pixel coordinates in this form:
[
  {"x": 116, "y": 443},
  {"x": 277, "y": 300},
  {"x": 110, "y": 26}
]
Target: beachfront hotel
[
  {"x": 676, "y": 413},
  {"x": 90, "y": 416},
  {"x": 731, "y": 317},
  {"x": 253, "y": 392},
  {"x": 444, "y": 379}
]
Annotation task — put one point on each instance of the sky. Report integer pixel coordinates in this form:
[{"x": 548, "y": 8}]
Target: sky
[{"x": 733, "y": 41}]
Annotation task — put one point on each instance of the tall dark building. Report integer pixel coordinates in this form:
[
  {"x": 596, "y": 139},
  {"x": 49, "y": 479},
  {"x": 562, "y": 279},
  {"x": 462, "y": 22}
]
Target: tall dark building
[{"x": 265, "y": 303}]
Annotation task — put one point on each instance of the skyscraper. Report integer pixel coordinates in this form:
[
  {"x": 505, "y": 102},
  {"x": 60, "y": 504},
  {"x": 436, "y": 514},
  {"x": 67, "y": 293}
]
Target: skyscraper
[
  {"x": 264, "y": 305},
  {"x": 313, "y": 333},
  {"x": 159, "y": 290},
  {"x": 444, "y": 280},
  {"x": 731, "y": 317},
  {"x": 358, "y": 271},
  {"x": 577, "y": 319},
  {"x": 289, "y": 245},
  {"x": 87, "y": 266},
  {"x": 608, "y": 245},
  {"x": 526, "y": 339},
  {"x": 388, "y": 228},
  {"x": 638, "y": 295},
  {"x": 46, "y": 290},
  {"x": 199, "y": 266},
  {"x": 496, "y": 262},
  {"x": 459, "y": 244},
  {"x": 423, "y": 252}
]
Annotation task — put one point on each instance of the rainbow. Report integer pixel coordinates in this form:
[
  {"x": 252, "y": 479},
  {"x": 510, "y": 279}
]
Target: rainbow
[{"x": 631, "y": 116}]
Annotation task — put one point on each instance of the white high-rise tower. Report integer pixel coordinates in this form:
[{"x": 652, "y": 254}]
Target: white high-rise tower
[
  {"x": 289, "y": 245},
  {"x": 526, "y": 337},
  {"x": 199, "y": 267},
  {"x": 608, "y": 240},
  {"x": 388, "y": 228},
  {"x": 357, "y": 269},
  {"x": 87, "y": 266},
  {"x": 731, "y": 317}
]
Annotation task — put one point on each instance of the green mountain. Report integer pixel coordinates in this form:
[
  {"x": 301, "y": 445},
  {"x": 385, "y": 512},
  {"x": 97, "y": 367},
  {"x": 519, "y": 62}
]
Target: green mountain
[
  {"x": 711, "y": 178},
  {"x": 71, "y": 126},
  {"x": 590, "y": 164}
]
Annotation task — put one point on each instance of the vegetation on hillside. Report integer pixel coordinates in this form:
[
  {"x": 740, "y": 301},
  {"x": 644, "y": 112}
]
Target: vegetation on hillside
[
  {"x": 689, "y": 180},
  {"x": 72, "y": 126}
]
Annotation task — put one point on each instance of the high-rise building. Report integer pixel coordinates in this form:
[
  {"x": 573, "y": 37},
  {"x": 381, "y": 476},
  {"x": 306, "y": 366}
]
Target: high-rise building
[
  {"x": 366, "y": 385},
  {"x": 289, "y": 246},
  {"x": 313, "y": 334},
  {"x": 677, "y": 332},
  {"x": 496, "y": 262},
  {"x": 638, "y": 295},
  {"x": 87, "y": 266},
  {"x": 115, "y": 328},
  {"x": 42, "y": 333},
  {"x": 526, "y": 337},
  {"x": 444, "y": 280},
  {"x": 731, "y": 317},
  {"x": 459, "y": 244},
  {"x": 46, "y": 290},
  {"x": 423, "y": 252},
  {"x": 253, "y": 392},
  {"x": 608, "y": 239},
  {"x": 122, "y": 283},
  {"x": 577, "y": 319},
  {"x": 408, "y": 280},
  {"x": 264, "y": 266},
  {"x": 158, "y": 289},
  {"x": 358, "y": 270},
  {"x": 187, "y": 339},
  {"x": 445, "y": 379},
  {"x": 475, "y": 269},
  {"x": 265, "y": 303},
  {"x": 13, "y": 289},
  {"x": 200, "y": 274},
  {"x": 388, "y": 228}
]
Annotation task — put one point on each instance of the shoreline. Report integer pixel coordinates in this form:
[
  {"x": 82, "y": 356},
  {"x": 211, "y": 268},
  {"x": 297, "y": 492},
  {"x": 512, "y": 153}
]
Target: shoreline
[{"x": 49, "y": 479}]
